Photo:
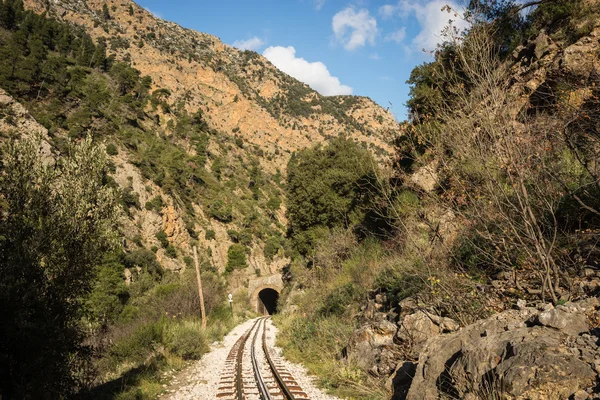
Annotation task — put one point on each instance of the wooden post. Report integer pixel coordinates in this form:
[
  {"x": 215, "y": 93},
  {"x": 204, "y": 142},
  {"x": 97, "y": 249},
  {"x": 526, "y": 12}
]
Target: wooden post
[{"x": 200, "y": 288}]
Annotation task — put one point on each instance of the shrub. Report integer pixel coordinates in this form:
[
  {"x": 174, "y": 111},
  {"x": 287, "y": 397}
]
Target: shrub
[
  {"x": 272, "y": 246},
  {"x": 209, "y": 235},
  {"x": 341, "y": 297},
  {"x": 162, "y": 238},
  {"x": 326, "y": 189},
  {"x": 187, "y": 339},
  {"x": 170, "y": 251},
  {"x": 397, "y": 286},
  {"x": 129, "y": 198},
  {"x": 274, "y": 204},
  {"x": 57, "y": 224},
  {"x": 221, "y": 211},
  {"x": 155, "y": 204},
  {"x": 138, "y": 344},
  {"x": 236, "y": 257},
  {"x": 111, "y": 149},
  {"x": 144, "y": 259}
]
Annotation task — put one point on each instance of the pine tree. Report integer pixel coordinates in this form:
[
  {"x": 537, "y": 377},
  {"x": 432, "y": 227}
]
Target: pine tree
[
  {"x": 7, "y": 15},
  {"x": 99, "y": 58},
  {"x": 105, "y": 12},
  {"x": 130, "y": 10},
  {"x": 85, "y": 52}
]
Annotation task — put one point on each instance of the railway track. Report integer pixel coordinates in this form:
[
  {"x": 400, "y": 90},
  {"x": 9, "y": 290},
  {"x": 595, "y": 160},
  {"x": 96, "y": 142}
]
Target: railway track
[{"x": 254, "y": 372}]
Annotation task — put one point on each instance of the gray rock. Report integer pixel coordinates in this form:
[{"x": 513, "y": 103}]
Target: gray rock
[
  {"x": 371, "y": 346},
  {"x": 528, "y": 361},
  {"x": 571, "y": 323},
  {"x": 399, "y": 382},
  {"x": 415, "y": 329},
  {"x": 542, "y": 42}
]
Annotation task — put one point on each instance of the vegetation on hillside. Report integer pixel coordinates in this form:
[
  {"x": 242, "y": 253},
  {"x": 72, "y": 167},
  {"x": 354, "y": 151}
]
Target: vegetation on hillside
[
  {"x": 58, "y": 218},
  {"x": 516, "y": 191},
  {"x": 116, "y": 316}
]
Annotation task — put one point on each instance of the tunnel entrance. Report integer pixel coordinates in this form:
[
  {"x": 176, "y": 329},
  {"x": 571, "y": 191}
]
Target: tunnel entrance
[{"x": 267, "y": 301}]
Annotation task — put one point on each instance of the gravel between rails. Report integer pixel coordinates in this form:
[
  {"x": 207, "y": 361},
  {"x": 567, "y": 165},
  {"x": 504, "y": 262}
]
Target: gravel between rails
[{"x": 201, "y": 380}]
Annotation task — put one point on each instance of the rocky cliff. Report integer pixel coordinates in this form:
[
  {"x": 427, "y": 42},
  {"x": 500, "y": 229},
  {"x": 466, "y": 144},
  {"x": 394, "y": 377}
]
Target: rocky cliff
[{"x": 257, "y": 117}]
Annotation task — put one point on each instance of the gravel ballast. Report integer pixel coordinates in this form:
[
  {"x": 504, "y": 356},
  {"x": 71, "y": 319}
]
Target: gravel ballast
[{"x": 201, "y": 379}]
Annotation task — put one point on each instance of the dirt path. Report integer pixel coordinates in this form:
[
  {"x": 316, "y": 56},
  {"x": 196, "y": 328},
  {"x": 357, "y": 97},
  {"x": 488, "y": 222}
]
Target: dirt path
[{"x": 200, "y": 380}]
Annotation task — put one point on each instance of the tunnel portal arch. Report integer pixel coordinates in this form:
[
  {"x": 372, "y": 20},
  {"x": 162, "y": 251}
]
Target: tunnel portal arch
[
  {"x": 270, "y": 287},
  {"x": 268, "y": 301}
]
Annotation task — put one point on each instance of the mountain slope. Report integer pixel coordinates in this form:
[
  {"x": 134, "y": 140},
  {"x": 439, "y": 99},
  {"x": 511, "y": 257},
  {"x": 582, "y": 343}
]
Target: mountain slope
[{"x": 239, "y": 91}]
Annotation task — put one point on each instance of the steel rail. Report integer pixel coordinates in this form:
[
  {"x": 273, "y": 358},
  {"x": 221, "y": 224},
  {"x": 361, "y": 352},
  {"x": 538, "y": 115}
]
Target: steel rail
[
  {"x": 239, "y": 383},
  {"x": 262, "y": 387},
  {"x": 284, "y": 388}
]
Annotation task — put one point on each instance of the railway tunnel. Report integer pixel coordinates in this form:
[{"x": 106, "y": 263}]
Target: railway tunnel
[
  {"x": 263, "y": 293},
  {"x": 268, "y": 299}
]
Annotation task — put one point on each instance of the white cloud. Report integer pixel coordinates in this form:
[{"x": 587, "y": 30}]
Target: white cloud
[
  {"x": 319, "y": 4},
  {"x": 314, "y": 74},
  {"x": 433, "y": 17},
  {"x": 387, "y": 11},
  {"x": 397, "y": 36},
  {"x": 254, "y": 43},
  {"x": 354, "y": 29},
  {"x": 374, "y": 56}
]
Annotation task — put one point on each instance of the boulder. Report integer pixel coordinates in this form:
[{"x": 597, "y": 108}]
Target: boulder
[
  {"x": 426, "y": 178},
  {"x": 371, "y": 347},
  {"x": 580, "y": 58},
  {"x": 415, "y": 329},
  {"x": 526, "y": 353},
  {"x": 571, "y": 323},
  {"x": 399, "y": 382},
  {"x": 542, "y": 44}
]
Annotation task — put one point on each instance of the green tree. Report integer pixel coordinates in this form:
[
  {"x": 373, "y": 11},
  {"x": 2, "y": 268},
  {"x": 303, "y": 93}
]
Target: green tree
[
  {"x": 221, "y": 211},
  {"x": 105, "y": 12},
  {"x": 328, "y": 186},
  {"x": 109, "y": 293},
  {"x": 58, "y": 220},
  {"x": 236, "y": 257},
  {"x": 10, "y": 12}
]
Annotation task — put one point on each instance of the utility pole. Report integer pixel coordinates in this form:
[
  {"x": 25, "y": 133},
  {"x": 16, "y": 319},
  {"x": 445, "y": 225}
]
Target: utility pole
[{"x": 200, "y": 288}]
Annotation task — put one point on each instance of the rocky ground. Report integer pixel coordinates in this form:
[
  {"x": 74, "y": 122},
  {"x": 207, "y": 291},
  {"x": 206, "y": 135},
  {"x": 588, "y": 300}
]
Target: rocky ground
[{"x": 529, "y": 352}]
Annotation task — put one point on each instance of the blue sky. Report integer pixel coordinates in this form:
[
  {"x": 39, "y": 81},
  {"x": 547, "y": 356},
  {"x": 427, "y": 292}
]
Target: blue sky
[{"x": 360, "y": 47}]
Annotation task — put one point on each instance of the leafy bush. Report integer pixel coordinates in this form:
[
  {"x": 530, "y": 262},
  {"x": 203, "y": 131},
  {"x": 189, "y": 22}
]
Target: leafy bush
[
  {"x": 170, "y": 251},
  {"x": 326, "y": 188},
  {"x": 236, "y": 257},
  {"x": 210, "y": 234},
  {"x": 187, "y": 339},
  {"x": 272, "y": 246},
  {"x": 52, "y": 236},
  {"x": 145, "y": 259},
  {"x": 111, "y": 149},
  {"x": 397, "y": 286},
  {"x": 136, "y": 346},
  {"x": 221, "y": 211},
  {"x": 339, "y": 298},
  {"x": 155, "y": 204},
  {"x": 162, "y": 238},
  {"x": 129, "y": 198}
]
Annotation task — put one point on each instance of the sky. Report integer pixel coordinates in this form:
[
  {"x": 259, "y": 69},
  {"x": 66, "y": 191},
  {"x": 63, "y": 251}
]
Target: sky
[{"x": 360, "y": 47}]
